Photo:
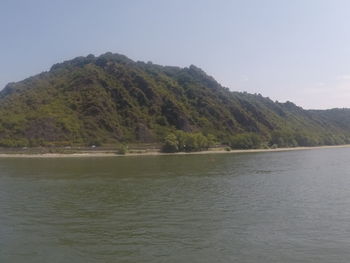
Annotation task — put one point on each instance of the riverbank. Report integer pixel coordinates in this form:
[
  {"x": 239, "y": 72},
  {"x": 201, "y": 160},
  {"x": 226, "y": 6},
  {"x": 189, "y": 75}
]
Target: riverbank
[{"x": 153, "y": 152}]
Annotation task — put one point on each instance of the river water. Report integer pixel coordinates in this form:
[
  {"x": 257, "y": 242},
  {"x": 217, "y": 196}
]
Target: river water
[{"x": 257, "y": 207}]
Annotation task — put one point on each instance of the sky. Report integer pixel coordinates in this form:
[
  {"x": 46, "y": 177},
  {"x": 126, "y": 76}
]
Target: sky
[{"x": 296, "y": 50}]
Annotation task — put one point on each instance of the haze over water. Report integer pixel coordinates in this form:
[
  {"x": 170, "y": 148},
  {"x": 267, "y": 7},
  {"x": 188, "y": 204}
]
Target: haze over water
[{"x": 262, "y": 207}]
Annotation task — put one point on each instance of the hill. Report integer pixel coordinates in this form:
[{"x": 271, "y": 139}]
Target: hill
[{"x": 111, "y": 99}]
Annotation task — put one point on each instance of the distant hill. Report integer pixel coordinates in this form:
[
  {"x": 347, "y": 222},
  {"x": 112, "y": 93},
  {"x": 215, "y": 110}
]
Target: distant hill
[{"x": 111, "y": 99}]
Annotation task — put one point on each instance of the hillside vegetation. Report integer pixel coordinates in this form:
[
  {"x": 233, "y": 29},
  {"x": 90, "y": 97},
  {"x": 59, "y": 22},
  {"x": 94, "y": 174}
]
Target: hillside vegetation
[{"x": 111, "y": 99}]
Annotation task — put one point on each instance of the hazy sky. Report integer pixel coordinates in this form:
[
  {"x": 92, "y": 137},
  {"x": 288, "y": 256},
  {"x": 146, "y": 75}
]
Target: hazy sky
[{"x": 297, "y": 50}]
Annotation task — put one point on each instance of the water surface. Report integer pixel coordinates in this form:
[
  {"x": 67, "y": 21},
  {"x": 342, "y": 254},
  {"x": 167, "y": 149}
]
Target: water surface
[{"x": 259, "y": 207}]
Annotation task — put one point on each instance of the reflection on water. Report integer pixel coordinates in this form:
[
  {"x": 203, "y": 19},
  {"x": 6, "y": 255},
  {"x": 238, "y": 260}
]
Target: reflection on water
[{"x": 262, "y": 207}]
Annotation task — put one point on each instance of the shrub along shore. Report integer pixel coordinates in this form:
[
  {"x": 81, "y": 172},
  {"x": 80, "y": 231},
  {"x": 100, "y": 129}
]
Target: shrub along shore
[
  {"x": 152, "y": 150},
  {"x": 185, "y": 142}
]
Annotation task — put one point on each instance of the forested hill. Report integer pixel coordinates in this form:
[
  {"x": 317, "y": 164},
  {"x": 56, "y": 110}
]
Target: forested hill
[{"x": 111, "y": 99}]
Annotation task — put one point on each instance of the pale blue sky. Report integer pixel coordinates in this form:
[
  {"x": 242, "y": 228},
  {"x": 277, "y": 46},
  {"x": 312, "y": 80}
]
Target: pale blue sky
[{"x": 296, "y": 50}]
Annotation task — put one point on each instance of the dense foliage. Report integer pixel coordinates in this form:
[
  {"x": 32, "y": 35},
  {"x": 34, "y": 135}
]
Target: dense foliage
[
  {"x": 111, "y": 99},
  {"x": 245, "y": 141},
  {"x": 180, "y": 141}
]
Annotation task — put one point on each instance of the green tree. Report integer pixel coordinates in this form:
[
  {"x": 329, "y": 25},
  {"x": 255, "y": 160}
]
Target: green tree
[{"x": 170, "y": 143}]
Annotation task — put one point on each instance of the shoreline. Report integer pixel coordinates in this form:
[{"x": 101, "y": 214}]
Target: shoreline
[{"x": 157, "y": 153}]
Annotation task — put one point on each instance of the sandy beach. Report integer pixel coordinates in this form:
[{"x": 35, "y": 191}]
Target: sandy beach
[{"x": 157, "y": 153}]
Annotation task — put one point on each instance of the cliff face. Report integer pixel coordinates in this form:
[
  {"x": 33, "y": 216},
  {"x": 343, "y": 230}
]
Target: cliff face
[{"x": 110, "y": 99}]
